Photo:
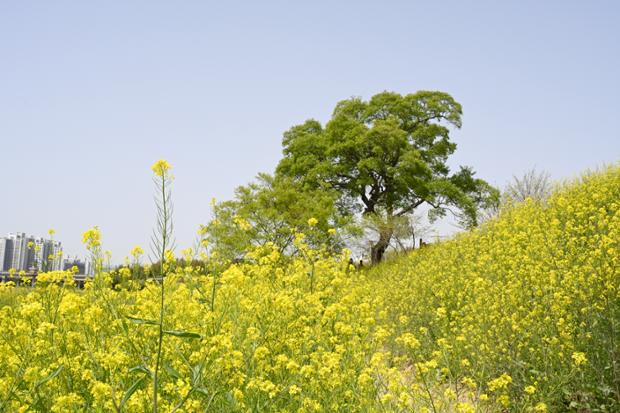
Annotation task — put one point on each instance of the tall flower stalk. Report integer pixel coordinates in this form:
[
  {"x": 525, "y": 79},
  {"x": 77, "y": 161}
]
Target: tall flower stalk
[
  {"x": 161, "y": 244},
  {"x": 92, "y": 239}
]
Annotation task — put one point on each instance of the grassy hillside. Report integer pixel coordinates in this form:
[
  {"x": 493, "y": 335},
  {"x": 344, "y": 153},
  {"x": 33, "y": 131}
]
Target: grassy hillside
[{"x": 521, "y": 315}]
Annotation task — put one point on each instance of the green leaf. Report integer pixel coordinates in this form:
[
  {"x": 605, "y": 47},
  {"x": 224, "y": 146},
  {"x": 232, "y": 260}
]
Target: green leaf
[
  {"x": 202, "y": 391},
  {"x": 50, "y": 377},
  {"x": 196, "y": 373},
  {"x": 182, "y": 334},
  {"x": 141, "y": 368},
  {"x": 171, "y": 371},
  {"x": 131, "y": 390},
  {"x": 137, "y": 320}
]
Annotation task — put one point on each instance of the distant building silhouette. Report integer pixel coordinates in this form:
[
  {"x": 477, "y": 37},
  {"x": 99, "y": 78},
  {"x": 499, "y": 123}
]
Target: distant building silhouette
[
  {"x": 83, "y": 267},
  {"x": 27, "y": 253}
]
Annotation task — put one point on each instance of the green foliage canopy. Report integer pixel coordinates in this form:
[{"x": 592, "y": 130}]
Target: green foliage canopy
[
  {"x": 387, "y": 156},
  {"x": 273, "y": 210}
]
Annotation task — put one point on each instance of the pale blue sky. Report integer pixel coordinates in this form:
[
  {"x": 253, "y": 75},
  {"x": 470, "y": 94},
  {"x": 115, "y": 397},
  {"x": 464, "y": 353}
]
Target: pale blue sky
[{"x": 91, "y": 93}]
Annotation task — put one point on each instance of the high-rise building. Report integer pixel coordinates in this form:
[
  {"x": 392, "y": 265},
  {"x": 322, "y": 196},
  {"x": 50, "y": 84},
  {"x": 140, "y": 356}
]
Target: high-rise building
[
  {"x": 47, "y": 255},
  {"x": 55, "y": 256},
  {"x": 21, "y": 252},
  {"x": 6, "y": 253},
  {"x": 27, "y": 253},
  {"x": 39, "y": 256}
]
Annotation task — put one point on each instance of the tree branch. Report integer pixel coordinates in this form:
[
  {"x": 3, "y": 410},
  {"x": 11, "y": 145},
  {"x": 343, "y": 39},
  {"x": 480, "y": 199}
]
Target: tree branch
[{"x": 411, "y": 207}]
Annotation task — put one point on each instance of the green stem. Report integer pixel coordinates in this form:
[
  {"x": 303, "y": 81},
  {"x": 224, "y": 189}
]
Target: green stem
[
  {"x": 160, "y": 339},
  {"x": 213, "y": 293},
  {"x": 428, "y": 391}
]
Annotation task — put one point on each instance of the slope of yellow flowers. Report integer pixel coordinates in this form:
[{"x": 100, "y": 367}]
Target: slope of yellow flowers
[{"x": 521, "y": 315}]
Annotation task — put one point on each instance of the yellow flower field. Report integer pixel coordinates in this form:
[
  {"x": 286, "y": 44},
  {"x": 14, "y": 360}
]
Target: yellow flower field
[{"x": 522, "y": 314}]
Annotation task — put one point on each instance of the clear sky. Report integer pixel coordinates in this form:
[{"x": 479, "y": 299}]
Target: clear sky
[{"x": 91, "y": 93}]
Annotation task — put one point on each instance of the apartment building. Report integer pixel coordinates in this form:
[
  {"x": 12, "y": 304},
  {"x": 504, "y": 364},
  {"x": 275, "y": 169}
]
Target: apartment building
[{"x": 27, "y": 253}]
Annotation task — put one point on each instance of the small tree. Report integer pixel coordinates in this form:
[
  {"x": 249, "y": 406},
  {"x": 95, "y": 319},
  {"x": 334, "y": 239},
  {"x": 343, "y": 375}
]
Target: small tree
[
  {"x": 412, "y": 228},
  {"x": 533, "y": 184},
  {"x": 273, "y": 210}
]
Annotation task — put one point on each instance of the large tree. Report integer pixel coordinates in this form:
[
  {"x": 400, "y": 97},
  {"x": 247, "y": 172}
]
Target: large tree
[{"x": 387, "y": 157}]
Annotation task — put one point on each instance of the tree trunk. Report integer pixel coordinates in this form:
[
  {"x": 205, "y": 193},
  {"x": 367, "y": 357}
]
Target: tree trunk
[{"x": 377, "y": 250}]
